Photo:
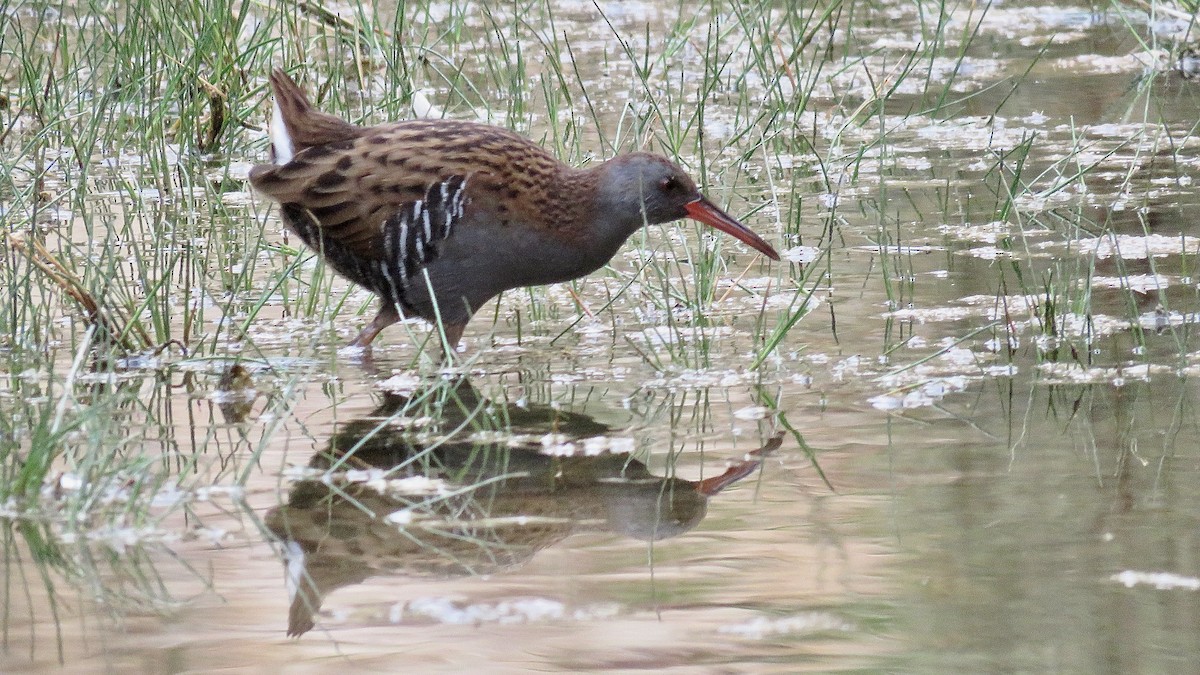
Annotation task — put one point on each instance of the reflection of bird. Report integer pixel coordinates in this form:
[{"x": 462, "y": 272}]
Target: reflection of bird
[
  {"x": 504, "y": 504},
  {"x": 1188, "y": 64},
  {"x": 235, "y": 393},
  {"x": 436, "y": 217}
]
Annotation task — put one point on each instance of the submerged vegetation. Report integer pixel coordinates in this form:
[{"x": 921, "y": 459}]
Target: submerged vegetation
[{"x": 953, "y": 218}]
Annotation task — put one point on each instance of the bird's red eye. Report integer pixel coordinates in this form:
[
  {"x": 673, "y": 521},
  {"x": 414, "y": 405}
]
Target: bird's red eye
[{"x": 669, "y": 184}]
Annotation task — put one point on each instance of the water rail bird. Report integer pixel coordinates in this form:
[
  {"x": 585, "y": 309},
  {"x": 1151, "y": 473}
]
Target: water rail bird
[{"x": 437, "y": 217}]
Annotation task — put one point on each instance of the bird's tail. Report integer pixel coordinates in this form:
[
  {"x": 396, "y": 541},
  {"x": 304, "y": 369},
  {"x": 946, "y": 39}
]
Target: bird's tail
[{"x": 296, "y": 125}]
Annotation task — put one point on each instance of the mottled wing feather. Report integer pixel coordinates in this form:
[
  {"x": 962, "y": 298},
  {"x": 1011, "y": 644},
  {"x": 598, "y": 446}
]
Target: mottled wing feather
[
  {"x": 405, "y": 242},
  {"x": 351, "y": 187},
  {"x": 348, "y": 201}
]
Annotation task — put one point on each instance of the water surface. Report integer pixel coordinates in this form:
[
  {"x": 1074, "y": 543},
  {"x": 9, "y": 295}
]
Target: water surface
[{"x": 984, "y": 418}]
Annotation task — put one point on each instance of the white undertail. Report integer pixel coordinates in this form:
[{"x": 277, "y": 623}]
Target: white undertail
[
  {"x": 293, "y": 559},
  {"x": 281, "y": 140}
]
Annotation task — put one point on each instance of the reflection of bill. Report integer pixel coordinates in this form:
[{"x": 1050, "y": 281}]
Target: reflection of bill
[{"x": 464, "y": 508}]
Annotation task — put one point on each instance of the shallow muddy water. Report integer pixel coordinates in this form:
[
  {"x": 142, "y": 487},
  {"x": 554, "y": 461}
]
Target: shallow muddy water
[{"x": 974, "y": 453}]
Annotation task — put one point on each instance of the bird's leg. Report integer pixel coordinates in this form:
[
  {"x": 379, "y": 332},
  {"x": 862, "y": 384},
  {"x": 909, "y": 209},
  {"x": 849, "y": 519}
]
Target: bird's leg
[
  {"x": 387, "y": 316},
  {"x": 453, "y": 333}
]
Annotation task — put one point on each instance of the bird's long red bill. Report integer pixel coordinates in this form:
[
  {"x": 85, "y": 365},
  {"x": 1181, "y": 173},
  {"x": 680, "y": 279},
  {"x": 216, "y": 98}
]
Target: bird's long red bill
[{"x": 708, "y": 213}]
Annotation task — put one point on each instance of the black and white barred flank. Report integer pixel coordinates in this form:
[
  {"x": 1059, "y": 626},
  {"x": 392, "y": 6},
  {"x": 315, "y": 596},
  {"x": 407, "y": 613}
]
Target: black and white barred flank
[{"x": 410, "y": 236}]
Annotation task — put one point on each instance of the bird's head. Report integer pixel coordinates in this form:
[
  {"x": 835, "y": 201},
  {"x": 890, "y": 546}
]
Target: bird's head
[{"x": 641, "y": 188}]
